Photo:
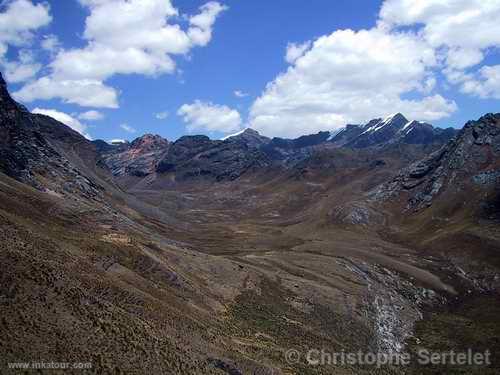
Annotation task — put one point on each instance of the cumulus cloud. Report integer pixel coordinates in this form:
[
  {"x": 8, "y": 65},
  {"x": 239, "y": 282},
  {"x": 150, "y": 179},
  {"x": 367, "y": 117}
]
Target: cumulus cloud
[
  {"x": 470, "y": 24},
  {"x": 128, "y": 128},
  {"x": 20, "y": 19},
  {"x": 91, "y": 116},
  {"x": 23, "y": 69},
  {"x": 202, "y": 116},
  {"x": 84, "y": 92},
  {"x": 17, "y": 24},
  {"x": 161, "y": 115},
  {"x": 124, "y": 37},
  {"x": 485, "y": 84},
  {"x": 50, "y": 43},
  {"x": 350, "y": 76},
  {"x": 200, "y": 30},
  {"x": 294, "y": 51},
  {"x": 240, "y": 94},
  {"x": 462, "y": 30},
  {"x": 66, "y": 119}
]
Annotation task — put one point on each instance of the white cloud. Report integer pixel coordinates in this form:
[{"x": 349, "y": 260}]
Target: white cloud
[
  {"x": 126, "y": 37},
  {"x": 66, "y": 119},
  {"x": 20, "y": 19},
  {"x": 351, "y": 77},
  {"x": 240, "y": 94},
  {"x": 17, "y": 24},
  {"x": 462, "y": 29},
  {"x": 200, "y": 30},
  {"x": 202, "y": 116},
  {"x": 22, "y": 69},
  {"x": 294, "y": 51},
  {"x": 16, "y": 72},
  {"x": 50, "y": 43},
  {"x": 161, "y": 115},
  {"x": 87, "y": 93},
  {"x": 461, "y": 58},
  {"x": 91, "y": 116},
  {"x": 140, "y": 40},
  {"x": 128, "y": 128},
  {"x": 486, "y": 84},
  {"x": 470, "y": 24}
]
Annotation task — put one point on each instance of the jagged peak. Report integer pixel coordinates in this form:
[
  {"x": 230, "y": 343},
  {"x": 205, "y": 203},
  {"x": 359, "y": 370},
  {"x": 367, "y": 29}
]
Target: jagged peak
[
  {"x": 395, "y": 120},
  {"x": 251, "y": 131},
  {"x": 7, "y": 102},
  {"x": 488, "y": 118},
  {"x": 149, "y": 141},
  {"x": 246, "y": 131},
  {"x": 396, "y": 117}
]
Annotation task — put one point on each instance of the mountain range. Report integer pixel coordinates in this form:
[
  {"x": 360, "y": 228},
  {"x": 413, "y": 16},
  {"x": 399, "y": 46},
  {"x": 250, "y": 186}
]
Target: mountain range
[
  {"x": 247, "y": 151},
  {"x": 203, "y": 256}
]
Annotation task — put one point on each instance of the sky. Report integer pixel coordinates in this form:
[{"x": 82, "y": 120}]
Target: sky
[{"x": 117, "y": 69}]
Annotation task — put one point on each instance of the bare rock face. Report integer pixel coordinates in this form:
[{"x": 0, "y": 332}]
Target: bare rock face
[
  {"x": 418, "y": 132},
  {"x": 250, "y": 137},
  {"x": 198, "y": 156},
  {"x": 379, "y": 131},
  {"x": 139, "y": 158},
  {"x": 472, "y": 157},
  {"x": 30, "y": 150},
  {"x": 345, "y": 135},
  {"x": 193, "y": 156},
  {"x": 395, "y": 129},
  {"x": 356, "y": 213},
  {"x": 289, "y": 152},
  {"x": 9, "y": 108}
]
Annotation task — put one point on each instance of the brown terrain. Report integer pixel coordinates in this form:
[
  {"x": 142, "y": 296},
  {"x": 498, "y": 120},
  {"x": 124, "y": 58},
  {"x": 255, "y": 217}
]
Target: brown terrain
[{"x": 217, "y": 257}]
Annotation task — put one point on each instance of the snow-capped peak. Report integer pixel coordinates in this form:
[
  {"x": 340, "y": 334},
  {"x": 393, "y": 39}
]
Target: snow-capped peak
[{"x": 394, "y": 119}]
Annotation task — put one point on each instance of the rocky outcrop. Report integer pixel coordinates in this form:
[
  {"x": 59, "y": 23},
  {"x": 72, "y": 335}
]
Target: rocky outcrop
[
  {"x": 346, "y": 135},
  {"x": 190, "y": 156},
  {"x": 395, "y": 129},
  {"x": 139, "y": 158},
  {"x": 472, "y": 157},
  {"x": 418, "y": 132},
  {"x": 356, "y": 213},
  {"x": 379, "y": 131},
  {"x": 289, "y": 152},
  {"x": 30, "y": 150},
  {"x": 251, "y": 138},
  {"x": 198, "y": 156}
]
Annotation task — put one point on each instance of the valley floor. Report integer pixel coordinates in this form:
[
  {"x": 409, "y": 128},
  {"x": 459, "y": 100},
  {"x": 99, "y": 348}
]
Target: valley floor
[{"x": 229, "y": 278}]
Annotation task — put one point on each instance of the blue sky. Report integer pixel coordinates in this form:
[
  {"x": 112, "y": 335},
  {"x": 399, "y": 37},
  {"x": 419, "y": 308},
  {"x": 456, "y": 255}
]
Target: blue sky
[{"x": 243, "y": 48}]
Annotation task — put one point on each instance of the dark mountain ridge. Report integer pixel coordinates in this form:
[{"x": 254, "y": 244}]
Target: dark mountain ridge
[{"x": 194, "y": 157}]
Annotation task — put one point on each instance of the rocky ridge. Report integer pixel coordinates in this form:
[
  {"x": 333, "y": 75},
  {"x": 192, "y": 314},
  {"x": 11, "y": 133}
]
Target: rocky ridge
[
  {"x": 199, "y": 156},
  {"x": 194, "y": 157},
  {"x": 30, "y": 151},
  {"x": 470, "y": 158},
  {"x": 395, "y": 129},
  {"x": 139, "y": 158}
]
